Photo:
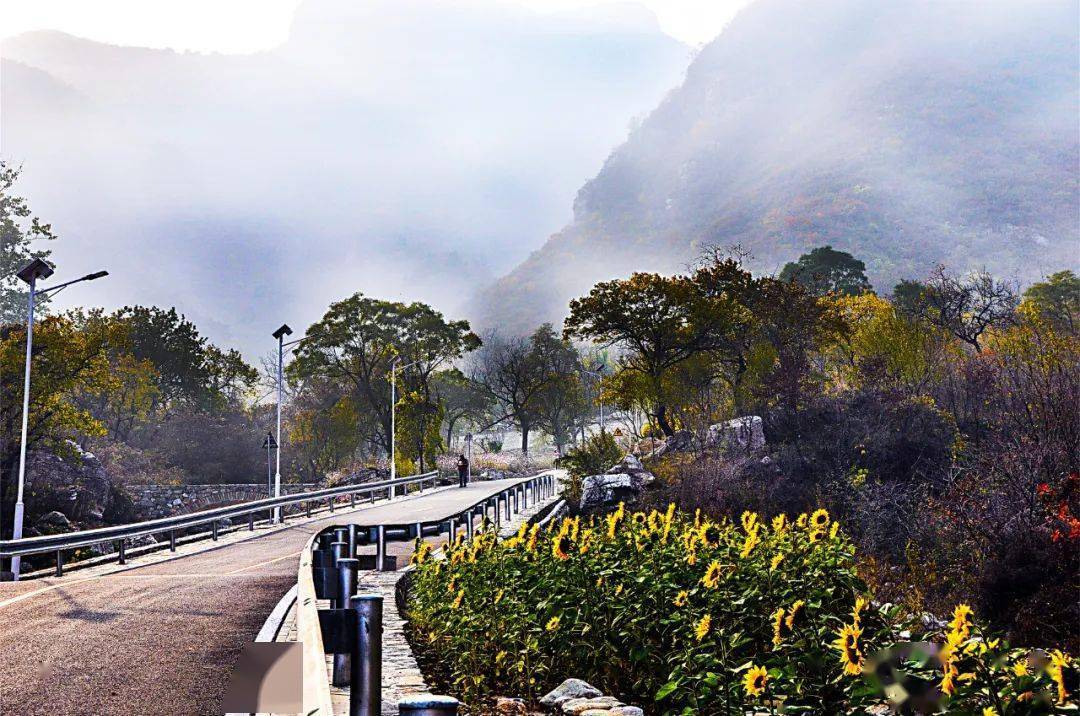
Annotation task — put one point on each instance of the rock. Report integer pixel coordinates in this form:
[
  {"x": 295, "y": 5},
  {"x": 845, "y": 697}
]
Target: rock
[
  {"x": 569, "y": 689},
  {"x": 53, "y": 523},
  {"x": 597, "y": 490},
  {"x": 627, "y": 711},
  {"x": 69, "y": 481},
  {"x": 744, "y": 434},
  {"x": 580, "y": 706},
  {"x": 510, "y": 707},
  {"x": 681, "y": 441},
  {"x": 594, "y": 712}
]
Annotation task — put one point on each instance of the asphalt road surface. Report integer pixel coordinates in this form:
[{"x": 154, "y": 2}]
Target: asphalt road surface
[{"x": 161, "y": 638}]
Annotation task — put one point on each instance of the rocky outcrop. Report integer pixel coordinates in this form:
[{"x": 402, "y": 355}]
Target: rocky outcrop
[
  {"x": 622, "y": 483},
  {"x": 72, "y": 483},
  {"x": 743, "y": 435},
  {"x": 575, "y": 697}
]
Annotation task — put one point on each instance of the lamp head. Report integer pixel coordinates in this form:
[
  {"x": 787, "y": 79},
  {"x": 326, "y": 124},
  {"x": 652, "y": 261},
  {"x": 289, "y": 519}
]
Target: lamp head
[
  {"x": 283, "y": 331},
  {"x": 96, "y": 274},
  {"x": 38, "y": 268}
]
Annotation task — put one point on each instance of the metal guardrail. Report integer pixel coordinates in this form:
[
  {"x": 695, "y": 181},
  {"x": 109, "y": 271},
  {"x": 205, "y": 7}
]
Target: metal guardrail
[
  {"x": 351, "y": 629},
  {"x": 171, "y": 525}
]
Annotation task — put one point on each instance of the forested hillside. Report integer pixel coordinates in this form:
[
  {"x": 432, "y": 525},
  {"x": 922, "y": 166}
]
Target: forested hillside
[{"x": 908, "y": 133}]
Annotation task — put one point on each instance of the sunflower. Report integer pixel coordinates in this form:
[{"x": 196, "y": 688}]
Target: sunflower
[
  {"x": 561, "y": 547},
  {"x": 850, "y": 654},
  {"x": 948, "y": 681},
  {"x": 961, "y": 621},
  {"x": 712, "y": 575},
  {"x": 834, "y": 530},
  {"x": 860, "y": 605},
  {"x": 778, "y": 626},
  {"x": 749, "y": 520},
  {"x": 458, "y": 598},
  {"x": 801, "y": 521},
  {"x": 1058, "y": 662},
  {"x": 755, "y": 680},
  {"x": 815, "y": 536},
  {"x": 775, "y": 562},
  {"x": 780, "y": 523},
  {"x": 533, "y": 534},
  {"x": 752, "y": 541},
  {"x": 1020, "y": 668},
  {"x": 820, "y": 519},
  {"x": 702, "y": 628},
  {"x": 794, "y": 612},
  {"x": 710, "y": 534},
  {"x": 681, "y": 598},
  {"x": 619, "y": 590},
  {"x": 552, "y": 624},
  {"x": 499, "y": 596}
]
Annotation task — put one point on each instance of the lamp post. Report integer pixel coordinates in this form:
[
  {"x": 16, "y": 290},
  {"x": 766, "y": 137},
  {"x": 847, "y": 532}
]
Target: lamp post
[
  {"x": 36, "y": 269},
  {"x": 270, "y": 444},
  {"x": 598, "y": 374}
]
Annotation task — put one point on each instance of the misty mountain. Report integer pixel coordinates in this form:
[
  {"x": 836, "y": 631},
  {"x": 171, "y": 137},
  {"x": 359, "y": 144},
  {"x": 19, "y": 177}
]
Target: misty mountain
[
  {"x": 907, "y": 133},
  {"x": 413, "y": 149}
]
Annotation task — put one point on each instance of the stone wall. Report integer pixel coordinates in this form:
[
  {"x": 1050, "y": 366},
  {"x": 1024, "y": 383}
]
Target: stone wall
[{"x": 153, "y": 501}]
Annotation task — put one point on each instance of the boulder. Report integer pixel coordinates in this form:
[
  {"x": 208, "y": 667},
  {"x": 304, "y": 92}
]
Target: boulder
[
  {"x": 743, "y": 434},
  {"x": 681, "y": 441},
  {"x": 53, "y": 523},
  {"x": 505, "y": 706},
  {"x": 569, "y": 689},
  {"x": 69, "y": 481},
  {"x": 599, "y": 490},
  {"x": 576, "y": 707}
]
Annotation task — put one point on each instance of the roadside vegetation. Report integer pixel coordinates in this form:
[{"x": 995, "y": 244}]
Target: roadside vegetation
[{"x": 685, "y": 615}]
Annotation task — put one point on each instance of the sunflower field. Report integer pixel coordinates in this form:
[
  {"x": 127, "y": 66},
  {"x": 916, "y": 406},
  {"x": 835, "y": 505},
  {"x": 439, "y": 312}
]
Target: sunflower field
[{"x": 681, "y": 615}]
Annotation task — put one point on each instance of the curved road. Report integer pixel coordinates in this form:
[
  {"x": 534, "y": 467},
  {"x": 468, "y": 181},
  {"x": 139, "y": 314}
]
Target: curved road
[{"x": 161, "y": 638}]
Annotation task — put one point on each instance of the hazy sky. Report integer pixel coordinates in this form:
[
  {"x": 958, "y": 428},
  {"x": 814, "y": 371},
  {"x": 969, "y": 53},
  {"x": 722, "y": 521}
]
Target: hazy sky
[{"x": 238, "y": 26}]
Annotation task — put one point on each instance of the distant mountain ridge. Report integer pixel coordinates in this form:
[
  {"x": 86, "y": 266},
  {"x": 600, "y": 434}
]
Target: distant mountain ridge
[
  {"x": 907, "y": 133},
  {"x": 410, "y": 149}
]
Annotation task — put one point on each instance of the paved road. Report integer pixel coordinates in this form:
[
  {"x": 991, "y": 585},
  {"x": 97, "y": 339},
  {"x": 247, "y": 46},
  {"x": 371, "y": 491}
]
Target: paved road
[{"x": 161, "y": 638}]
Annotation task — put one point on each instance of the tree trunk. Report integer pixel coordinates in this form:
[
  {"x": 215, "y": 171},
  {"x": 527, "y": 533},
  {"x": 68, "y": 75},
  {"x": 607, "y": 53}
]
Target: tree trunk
[
  {"x": 662, "y": 421},
  {"x": 524, "y": 438}
]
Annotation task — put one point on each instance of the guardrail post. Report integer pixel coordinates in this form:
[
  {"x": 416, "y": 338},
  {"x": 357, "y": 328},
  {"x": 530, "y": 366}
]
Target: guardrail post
[
  {"x": 419, "y": 530},
  {"x": 251, "y": 522},
  {"x": 380, "y": 548},
  {"x": 525, "y": 495},
  {"x": 122, "y": 553},
  {"x": 352, "y": 500},
  {"x": 172, "y": 540},
  {"x": 214, "y": 529},
  {"x": 451, "y": 531},
  {"x": 428, "y": 705},
  {"x": 506, "y": 504},
  {"x": 469, "y": 528},
  {"x": 346, "y": 575},
  {"x": 59, "y": 563},
  {"x": 308, "y": 506},
  {"x": 354, "y": 539},
  {"x": 330, "y": 502},
  {"x": 338, "y": 552},
  {"x": 365, "y": 679},
  {"x": 341, "y": 534}
]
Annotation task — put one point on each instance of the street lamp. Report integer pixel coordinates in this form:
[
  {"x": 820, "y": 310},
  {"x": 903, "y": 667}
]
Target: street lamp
[
  {"x": 36, "y": 269},
  {"x": 282, "y": 344},
  {"x": 393, "y": 413},
  {"x": 598, "y": 374},
  {"x": 270, "y": 444}
]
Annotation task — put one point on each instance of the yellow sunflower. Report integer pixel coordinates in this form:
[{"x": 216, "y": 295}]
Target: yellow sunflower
[
  {"x": 780, "y": 523},
  {"x": 793, "y": 613},
  {"x": 778, "y": 626},
  {"x": 775, "y": 562},
  {"x": 749, "y": 520},
  {"x": 681, "y": 598},
  {"x": 561, "y": 546},
  {"x": 710, "y": 534},
  {"x": 752, "y": 541},
  {"x": 702, "y": 628},
  {"x": 552, "y": 624},
  {"x": 712, "y": 575},
  {"x": 820, "y": 519},
  {"x": 755, "y": 680},
  {"x": 850, "y": 654},
  {"x": 498, "y": 596},
  {"x": 458, "y": 598}
]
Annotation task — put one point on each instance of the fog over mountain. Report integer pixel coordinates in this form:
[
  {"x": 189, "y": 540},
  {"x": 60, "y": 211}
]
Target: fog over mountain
[
  {"x": 412, "y": 149},
  {"x": 906, "y": 132}
]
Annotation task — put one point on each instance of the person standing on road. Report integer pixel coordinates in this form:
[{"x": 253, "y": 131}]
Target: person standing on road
[{"x": 462, "y": 471}]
